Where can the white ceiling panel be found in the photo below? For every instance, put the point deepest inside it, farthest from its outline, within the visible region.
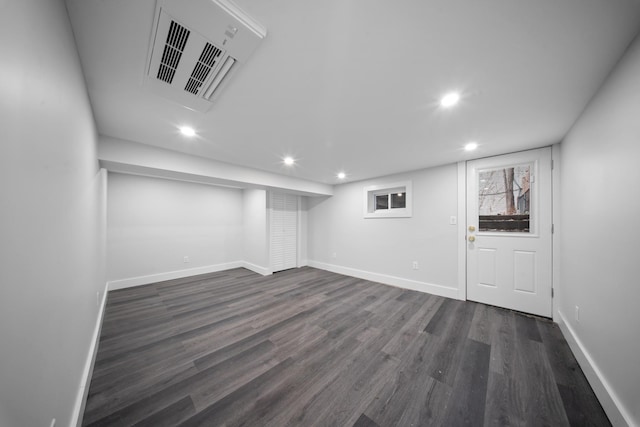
(354, 86)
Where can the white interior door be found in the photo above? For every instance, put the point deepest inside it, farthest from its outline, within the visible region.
(284, 231)
(509, 221)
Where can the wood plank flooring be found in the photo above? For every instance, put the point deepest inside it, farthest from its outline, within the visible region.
(307, 347)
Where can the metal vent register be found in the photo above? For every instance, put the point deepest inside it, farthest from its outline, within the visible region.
(173, 49)
(194, 50)
(201, 71)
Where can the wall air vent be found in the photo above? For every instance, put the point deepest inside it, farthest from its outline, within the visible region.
(194, 50)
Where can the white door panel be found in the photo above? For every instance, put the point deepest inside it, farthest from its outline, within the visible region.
(284, 231)
(509, 231)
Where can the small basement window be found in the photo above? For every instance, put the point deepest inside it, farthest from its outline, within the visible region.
(388, 201)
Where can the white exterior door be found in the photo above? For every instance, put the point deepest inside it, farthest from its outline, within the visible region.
(509, 257)
(284, 231)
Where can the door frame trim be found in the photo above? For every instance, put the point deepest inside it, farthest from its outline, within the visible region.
(462, 230)
(555, 238)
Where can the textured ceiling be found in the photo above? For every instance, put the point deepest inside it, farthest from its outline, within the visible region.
(353, 86)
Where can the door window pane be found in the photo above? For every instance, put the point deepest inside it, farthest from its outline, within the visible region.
(504, 199)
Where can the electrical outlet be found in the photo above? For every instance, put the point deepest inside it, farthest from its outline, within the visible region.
(186, 259)
(415, 265)
(334, 255)
(98, 299)
(577, 314)
(453, 220)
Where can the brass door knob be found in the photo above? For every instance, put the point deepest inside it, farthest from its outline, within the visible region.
(472, 238)
(472, 228)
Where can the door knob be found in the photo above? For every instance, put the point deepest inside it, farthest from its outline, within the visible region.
(472, 238)
(472, 228)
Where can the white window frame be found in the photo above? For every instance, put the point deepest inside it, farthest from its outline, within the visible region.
(372, 191)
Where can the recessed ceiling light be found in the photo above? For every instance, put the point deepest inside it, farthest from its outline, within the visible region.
(187, 131)
(450, 99)
(288, 161)
(471, 146)
(342, 175)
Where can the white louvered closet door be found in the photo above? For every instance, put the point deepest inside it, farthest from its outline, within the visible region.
(284, 231)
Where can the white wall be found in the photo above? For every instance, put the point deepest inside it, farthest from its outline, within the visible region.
(599, 240)
(383, 249)
(154, 223)
(255, 231)
(52, 219)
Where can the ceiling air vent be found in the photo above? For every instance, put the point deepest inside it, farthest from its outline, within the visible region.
(176, 40)
(202, 69)
(195, 49)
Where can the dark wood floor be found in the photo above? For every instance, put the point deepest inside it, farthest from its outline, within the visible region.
(308, 347)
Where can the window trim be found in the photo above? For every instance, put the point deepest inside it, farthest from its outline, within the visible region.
(370, 193)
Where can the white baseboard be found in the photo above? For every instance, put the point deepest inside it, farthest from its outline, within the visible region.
(256, 268)
(170, 275)
(613, 407)
(399, 282)
(87, 372)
